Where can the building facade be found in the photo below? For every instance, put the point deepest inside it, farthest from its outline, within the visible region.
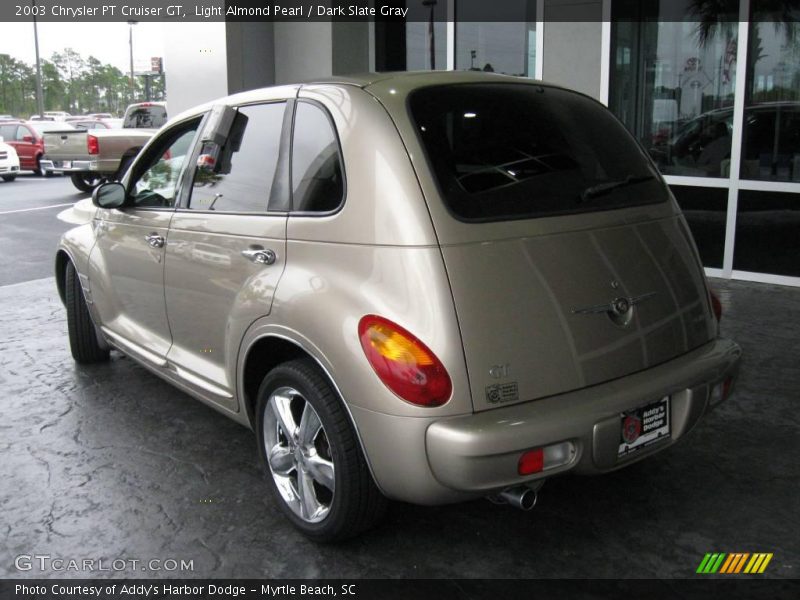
(710, 89)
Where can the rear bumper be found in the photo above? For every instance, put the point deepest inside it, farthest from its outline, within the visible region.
(480, 452)
(440, 460)
(61, 166)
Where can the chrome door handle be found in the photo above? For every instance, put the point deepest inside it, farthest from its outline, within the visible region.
(260, 256)
(155, 240)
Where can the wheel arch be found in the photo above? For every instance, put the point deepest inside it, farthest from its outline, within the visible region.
(62, 259)
(267, 352)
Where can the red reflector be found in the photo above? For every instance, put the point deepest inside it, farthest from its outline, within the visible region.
(531, 462)
(91, 144)
(716, 305)
(726, 387)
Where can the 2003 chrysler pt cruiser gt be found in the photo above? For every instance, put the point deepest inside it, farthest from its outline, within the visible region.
(425, 287)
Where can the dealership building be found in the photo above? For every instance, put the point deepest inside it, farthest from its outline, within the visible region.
(713, 96)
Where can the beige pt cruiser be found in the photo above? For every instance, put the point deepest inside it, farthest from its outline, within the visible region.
(426, 287)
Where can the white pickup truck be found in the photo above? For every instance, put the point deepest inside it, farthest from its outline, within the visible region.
(92, 155)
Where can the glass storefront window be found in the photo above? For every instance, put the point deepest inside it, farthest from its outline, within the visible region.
(705, 210)
(672, 82)
(503, 47)
(771, 133)
(767, 224)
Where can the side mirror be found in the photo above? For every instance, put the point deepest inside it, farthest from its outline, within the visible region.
(27, 138)
(109, 195)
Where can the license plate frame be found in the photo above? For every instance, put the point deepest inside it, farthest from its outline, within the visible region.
(643, 426)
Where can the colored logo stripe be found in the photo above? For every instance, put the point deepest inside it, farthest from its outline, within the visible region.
(758, 563)
(734, 563)
(720, 562)
(711, 563)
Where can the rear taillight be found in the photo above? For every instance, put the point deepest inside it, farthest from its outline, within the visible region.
(92, 145)
(403, 363)
(716, 305)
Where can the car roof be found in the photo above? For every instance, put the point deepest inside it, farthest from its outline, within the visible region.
(378, 84)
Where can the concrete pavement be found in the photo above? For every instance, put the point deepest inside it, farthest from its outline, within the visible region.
(109, 462)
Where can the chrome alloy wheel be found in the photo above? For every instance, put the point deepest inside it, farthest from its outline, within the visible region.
(299, 454)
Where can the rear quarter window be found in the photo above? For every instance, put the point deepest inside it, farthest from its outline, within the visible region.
(517, 151)
(317, 173)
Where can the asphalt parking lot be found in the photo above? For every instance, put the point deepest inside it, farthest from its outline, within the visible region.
(109, 462)
(29, 230)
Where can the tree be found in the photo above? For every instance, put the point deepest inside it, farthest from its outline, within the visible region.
(69, 83)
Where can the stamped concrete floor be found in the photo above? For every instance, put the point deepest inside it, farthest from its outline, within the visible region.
(109, 462)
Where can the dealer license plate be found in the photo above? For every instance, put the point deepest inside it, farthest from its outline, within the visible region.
(67, 164)
(643, 426)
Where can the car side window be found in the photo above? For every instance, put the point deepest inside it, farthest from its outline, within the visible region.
(157, 182)
(317, 173)
(8, 132)
(22, 132)
(247, 165)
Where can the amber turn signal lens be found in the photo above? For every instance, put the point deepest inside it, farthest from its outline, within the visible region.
(403, 363)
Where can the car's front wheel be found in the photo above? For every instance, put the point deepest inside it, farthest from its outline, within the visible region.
(83, 341)
(9, 178)
(316, 469)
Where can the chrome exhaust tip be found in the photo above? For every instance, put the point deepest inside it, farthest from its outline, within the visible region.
(522, 497)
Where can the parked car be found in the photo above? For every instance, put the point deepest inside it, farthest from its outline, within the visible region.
(101, 115)
(94, 154)
(424, 287)
(9, 162)
(702, 146)
(57, 115)
(27, 138)
(41, 118)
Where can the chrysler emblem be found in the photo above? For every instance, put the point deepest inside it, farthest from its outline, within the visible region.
(619, 310)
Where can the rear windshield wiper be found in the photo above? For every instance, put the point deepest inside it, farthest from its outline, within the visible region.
(604, 188)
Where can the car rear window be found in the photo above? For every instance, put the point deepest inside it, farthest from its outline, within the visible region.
(517, 151)
(145, 117)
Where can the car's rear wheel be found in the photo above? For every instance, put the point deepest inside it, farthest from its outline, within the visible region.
(85, 182)
(83, 340)
(9, 178)
(316, 469)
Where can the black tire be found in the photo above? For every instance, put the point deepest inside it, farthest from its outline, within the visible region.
(85, 182)
(83, 341)
(38, 171)
(9, 178)
(356, 504)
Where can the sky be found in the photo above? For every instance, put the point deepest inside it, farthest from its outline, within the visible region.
(108, 42)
